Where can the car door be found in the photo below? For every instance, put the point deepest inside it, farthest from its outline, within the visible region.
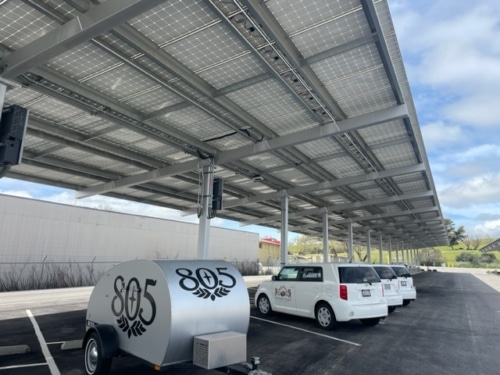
(307, 289)
(284, 294)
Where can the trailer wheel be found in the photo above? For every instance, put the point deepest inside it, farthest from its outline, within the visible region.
(95, 364)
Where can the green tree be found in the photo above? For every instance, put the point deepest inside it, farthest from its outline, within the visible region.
(454, 235)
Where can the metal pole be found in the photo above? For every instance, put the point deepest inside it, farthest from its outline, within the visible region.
(206, 208)
(380, 248)
(349, 242)
(390, 250)
(326, 251)
(402, 251)
(368, 246)
(284, 230)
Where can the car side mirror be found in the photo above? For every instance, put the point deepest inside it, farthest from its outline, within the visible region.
(274, 278)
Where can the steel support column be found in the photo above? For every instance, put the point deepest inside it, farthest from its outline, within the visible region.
(390, 250)
(369, 246)
(380, 248)
(284, 230)
(326, 250)
(349, 243)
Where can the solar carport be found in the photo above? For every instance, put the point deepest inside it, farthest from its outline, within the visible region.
(301, 112)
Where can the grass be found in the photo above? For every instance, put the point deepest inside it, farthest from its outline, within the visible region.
(449, 256)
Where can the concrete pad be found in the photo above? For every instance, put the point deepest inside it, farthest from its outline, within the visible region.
(14, 349)
(73, 344)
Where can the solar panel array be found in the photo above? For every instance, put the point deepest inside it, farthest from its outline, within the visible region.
(307, 99)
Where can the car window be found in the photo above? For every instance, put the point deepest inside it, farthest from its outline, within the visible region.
(311, 274)
(401, 271)
(385, 272)
(356, 275)
(288, 273)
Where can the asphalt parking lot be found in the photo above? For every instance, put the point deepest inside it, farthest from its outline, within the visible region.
(452, 328)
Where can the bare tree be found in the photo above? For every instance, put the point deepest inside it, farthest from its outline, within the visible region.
(476, 242)
(468, 242)
(357, 250)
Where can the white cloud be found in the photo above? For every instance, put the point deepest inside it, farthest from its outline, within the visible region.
(435, 132)
(480, 108)
(453, 49)
(477, 190)
(489, 228)
(479, 152)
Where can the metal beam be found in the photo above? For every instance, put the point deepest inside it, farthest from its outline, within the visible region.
(371, 217)
(373, 20)
(309, 135)
(142, 178)
(356, 43)
(339, 207)
(168, 62)
(149, 128)
(271, 26)
(68, 138)
(84, 27)
(329, 184)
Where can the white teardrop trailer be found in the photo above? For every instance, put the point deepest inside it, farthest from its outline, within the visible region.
(170, 312)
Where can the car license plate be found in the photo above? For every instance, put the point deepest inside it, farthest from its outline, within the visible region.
(387, 286)
(403, 283)
(366, 293)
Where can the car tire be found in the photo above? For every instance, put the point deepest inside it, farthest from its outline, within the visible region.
(325, 316)
(406, 302)
(370, 321)
(264, 305)
(391, 308)
(94, 363)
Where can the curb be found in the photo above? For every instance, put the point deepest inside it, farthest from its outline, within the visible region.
(14, 349)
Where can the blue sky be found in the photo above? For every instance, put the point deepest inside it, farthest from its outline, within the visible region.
(451, 51)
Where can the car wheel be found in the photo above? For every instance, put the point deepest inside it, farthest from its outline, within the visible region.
(325, 316)
(264, 305)
(392, 308)
(370, 321)
(94, 363)
(406, 302)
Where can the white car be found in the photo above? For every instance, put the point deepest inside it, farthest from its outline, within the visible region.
(328, 292)
(406, 287)
(391, 286)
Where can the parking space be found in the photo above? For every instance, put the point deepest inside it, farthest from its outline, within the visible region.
(452, 328)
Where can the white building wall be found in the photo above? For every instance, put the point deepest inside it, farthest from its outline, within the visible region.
(32, 230)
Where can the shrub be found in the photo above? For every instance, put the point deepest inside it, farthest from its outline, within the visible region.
(467, 257)
(488, 258)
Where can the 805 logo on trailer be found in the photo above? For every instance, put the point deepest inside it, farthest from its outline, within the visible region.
(127, 305)
(206, 283)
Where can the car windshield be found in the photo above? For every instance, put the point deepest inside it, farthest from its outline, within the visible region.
(385, 272)
(356, 275)
(401, 271)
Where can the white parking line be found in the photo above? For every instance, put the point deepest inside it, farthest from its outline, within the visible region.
(22, 366)
(45, 350)
(305, 330)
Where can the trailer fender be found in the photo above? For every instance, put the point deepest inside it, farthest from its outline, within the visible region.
(107, 336)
